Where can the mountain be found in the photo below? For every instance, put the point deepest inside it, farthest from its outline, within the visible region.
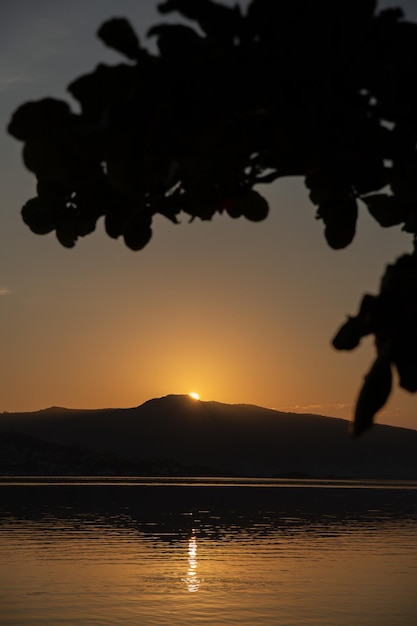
(234, 439)
(25, 455)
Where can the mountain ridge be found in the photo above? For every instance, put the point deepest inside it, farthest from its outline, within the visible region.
(234, 439)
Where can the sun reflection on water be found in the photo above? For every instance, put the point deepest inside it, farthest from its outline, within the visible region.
(192, 582)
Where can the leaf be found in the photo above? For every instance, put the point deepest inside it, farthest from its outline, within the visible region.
(232, 209)
(349, 335)
(137, 231)
(215, 20)
(352, 331)
(373, 395)
(251, 205)
(66, 230)
(87, 221)
(40, 218)
(176, 40)
(386, 210)
(370, 177)
(339, 216)
(405, 358)
(138, 238)
(102, 88)
(39, 119)
(118, 34)
(325, 187)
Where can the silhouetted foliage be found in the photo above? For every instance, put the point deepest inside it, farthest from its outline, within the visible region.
(320, 89)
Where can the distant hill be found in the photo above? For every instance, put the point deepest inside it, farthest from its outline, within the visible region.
(179, 432)
(25, 455)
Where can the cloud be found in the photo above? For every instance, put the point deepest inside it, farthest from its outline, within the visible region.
(10, 80)
(344, 410)
(336, 407)
(4, 291)
(389, 413)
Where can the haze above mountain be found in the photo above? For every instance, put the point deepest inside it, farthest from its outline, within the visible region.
(234, 439)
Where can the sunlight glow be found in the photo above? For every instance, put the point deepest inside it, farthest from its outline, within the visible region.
(194, 395)
(192, 582)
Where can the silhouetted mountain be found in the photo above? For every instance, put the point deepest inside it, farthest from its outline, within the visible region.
(179, 431)
(25, 455)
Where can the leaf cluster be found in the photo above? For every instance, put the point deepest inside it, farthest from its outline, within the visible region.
(325, 90)
(391, 317)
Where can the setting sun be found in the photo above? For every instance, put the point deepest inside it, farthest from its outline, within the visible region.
(194, 395)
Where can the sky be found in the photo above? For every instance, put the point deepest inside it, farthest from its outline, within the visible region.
(236, 311)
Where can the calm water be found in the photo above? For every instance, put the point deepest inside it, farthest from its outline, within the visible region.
(209, 553)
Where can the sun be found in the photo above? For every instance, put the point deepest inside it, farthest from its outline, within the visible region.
(194, 395)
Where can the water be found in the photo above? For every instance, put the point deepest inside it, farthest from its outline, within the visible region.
(156, 552)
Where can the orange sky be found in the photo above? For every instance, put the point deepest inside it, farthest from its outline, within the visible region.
(238, 312)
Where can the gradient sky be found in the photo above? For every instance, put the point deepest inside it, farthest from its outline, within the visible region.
(236, 311)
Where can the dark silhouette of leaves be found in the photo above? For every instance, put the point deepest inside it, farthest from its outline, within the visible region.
(119, 35)
(322, 90)
(218, 22)
(40, 217)
(373, 395)
(387, 210)
(391, 317)
(349, 335)
(251, 205)
(339, 215)
(39, 120)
